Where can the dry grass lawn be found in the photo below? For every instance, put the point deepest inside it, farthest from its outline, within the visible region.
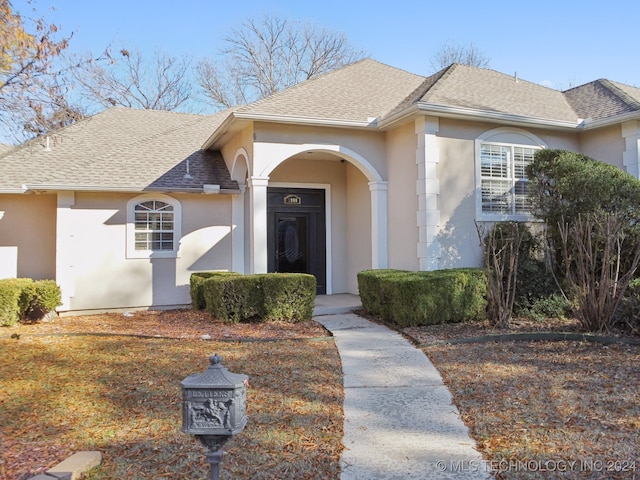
(544, 409)
(120, 394)
(537, 409)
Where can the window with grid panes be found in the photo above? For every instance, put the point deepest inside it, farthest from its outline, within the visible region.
(154, 226)
(503, 178)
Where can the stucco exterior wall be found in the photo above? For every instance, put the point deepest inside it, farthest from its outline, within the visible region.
(402, 198)
(241, 140)
(604, 144)
(358, 232)
(105, 278)
(269, 139)
(458, 237)
(27, 236)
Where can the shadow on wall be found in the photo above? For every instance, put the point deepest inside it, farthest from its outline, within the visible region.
(458, 239)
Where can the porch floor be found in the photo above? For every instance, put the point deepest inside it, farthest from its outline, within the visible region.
(336, 304)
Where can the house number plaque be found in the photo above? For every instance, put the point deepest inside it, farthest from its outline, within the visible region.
(292, 200)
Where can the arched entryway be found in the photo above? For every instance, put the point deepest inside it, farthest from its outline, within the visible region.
(355, 216)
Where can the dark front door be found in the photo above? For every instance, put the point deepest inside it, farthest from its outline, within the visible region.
(296, 232)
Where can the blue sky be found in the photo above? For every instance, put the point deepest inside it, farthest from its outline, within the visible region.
(557, 43)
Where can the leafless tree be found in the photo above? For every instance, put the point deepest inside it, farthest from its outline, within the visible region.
(266, 56)
(31, 97)
(130, 80)
(451, 52)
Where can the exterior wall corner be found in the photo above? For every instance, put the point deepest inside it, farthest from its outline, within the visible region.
(428, 191)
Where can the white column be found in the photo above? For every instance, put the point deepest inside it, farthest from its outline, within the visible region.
(237, 231)
(428, 190)
(631, 154)
(379, 237)
(65, 248)
(258, 224)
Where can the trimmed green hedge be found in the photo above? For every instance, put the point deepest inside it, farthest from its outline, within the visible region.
(240, 298)
(22, 299)
(424, 298)
(288, 296)
(196, 282)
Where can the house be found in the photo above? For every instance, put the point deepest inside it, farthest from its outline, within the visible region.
(365, 167)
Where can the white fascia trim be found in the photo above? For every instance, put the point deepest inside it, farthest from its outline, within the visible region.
(98, 188)
(218, 132)
(372, 123)
(446, 110)
(256, 117)
(80, 188)
(24, 189)
(588, 124)
(470, 113)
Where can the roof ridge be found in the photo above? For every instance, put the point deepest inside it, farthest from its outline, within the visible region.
(440, 76)
(420, 91)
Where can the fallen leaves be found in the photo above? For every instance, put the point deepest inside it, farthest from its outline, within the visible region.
(545, 402)
(121, 395)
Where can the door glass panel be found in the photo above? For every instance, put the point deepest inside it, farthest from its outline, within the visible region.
(291, 252)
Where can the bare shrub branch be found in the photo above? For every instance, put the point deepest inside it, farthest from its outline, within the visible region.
(501, 247)
(592, 246)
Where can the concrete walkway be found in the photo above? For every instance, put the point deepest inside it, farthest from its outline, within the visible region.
(400, 422)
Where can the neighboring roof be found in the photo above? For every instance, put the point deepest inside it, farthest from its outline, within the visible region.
(357, 93)
(121, 149)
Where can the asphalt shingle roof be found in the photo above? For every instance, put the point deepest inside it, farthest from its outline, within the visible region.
(137, 150)
(122, 148)
(4, 149)
(357, 93)
(490, 91)
(603, 98)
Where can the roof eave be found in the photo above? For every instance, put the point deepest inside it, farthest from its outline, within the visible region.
(100, 188)
(235, 121)
(589, 124)
(315, 121)
(80, 188)
(501, 117)
(219, 132)
(475, 114)
(23, 189)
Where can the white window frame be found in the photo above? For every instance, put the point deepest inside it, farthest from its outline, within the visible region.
(131, 227)
(503, 138)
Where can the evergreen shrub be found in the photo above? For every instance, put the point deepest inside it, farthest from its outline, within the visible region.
(23, 299)
(424, 298)
(196, 282)
(271, 296)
